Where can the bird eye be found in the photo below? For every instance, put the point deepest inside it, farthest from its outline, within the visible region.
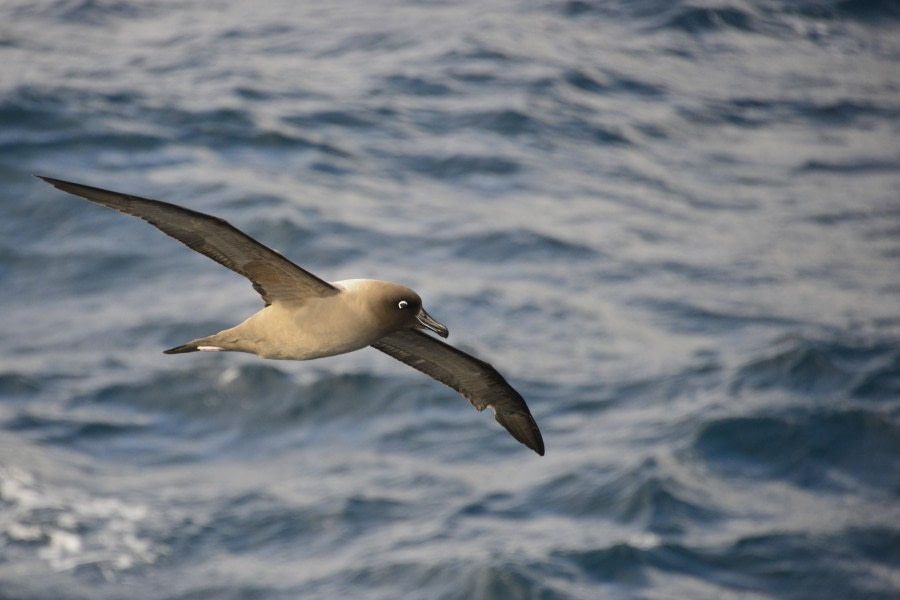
(402, 304)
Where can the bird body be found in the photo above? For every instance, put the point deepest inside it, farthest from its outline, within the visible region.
(314, 328)
(306, 317)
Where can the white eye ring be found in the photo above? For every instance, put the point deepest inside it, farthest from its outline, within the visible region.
(402, 304)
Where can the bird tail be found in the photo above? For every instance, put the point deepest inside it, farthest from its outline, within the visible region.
(189, 347)
(203, 345)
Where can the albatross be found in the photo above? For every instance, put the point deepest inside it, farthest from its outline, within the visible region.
(306, 317)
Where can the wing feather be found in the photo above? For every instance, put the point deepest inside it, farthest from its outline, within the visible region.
(476, 380)
(273, 276)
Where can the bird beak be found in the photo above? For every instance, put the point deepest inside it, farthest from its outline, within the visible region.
(427, 322)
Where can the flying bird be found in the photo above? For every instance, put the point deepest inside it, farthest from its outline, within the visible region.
(306, 317)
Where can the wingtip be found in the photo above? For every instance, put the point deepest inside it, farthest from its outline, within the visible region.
(523, 428)
(57, 183)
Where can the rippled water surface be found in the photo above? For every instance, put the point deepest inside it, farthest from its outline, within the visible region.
(674, 227)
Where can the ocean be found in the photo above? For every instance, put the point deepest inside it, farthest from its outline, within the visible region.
(674, 226)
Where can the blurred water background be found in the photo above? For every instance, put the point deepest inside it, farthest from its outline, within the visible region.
(673, 225)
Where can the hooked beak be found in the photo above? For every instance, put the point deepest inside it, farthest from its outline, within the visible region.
(427, 322)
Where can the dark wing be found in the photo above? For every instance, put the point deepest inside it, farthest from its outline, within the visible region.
(273, 276)
(475, 379)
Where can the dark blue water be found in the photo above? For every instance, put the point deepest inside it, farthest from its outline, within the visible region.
(674, 226)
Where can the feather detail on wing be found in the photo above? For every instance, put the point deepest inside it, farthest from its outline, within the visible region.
(476, 380)
(274, 277)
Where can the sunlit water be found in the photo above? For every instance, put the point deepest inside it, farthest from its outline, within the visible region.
(674, 227)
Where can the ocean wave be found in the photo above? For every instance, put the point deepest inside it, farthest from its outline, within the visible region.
(817, 366)
(68, 431)
(821, 449)
(518, 245)
(18, 385)
(333, 118)
(457, 166)
(413, 86)
(644, 497)
(696, 19)
(856, 166)
(756, 113)
(73, 530)
(869, 11)
(783, 564)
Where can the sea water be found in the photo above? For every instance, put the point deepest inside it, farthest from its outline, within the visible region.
(674, 226)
